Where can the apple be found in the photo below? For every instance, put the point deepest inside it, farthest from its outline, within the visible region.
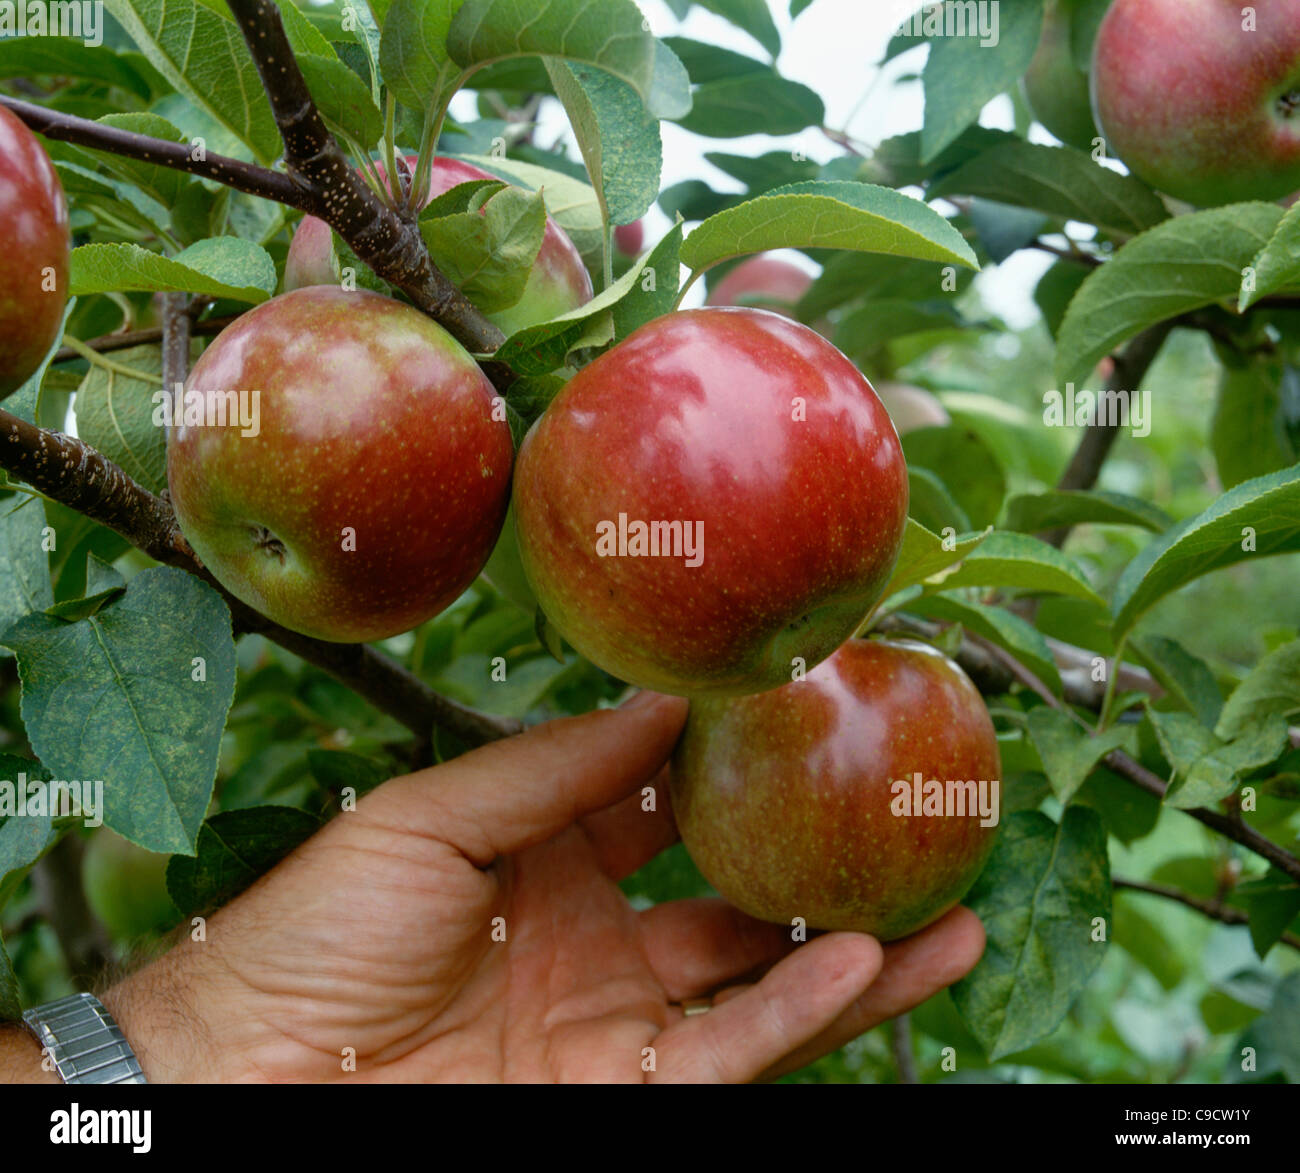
(34, 229)
(1057, 92)
(126, 887)
(630, 238)
(912, 408)
(377, 479)
(804, 801)
(711, 503)
(764, 281)
(558, 283)
(1198, 106)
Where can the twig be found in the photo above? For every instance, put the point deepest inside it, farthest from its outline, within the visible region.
(175, 340)
(126, 339)
(1075, 255)
(1214, 909)
(82, 938)
(900, 1045)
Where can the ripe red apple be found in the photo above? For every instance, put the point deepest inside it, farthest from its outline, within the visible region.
(629, 238)
(763, 281)
(1198, 106)
(34, 232)
(717, 496)
(1057, 91)
(558, 283)
(804, 801)
(911, 408)
(376, 483)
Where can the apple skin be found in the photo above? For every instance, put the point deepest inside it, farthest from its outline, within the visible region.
(126, 887)
(691, 419)
(774, 283)
(1195, 106)
(630, 238)
(371, 417)
(558, 283)
(912, 408)
(784, 799)
(1057, 92)
(34, 229)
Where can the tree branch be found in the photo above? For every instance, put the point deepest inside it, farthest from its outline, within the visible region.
(75, 474)
(125, 339)
(1214, 909)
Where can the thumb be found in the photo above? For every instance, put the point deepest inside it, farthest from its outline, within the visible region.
(523, 790)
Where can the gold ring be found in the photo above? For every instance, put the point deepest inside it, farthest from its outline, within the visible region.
(697, 1006)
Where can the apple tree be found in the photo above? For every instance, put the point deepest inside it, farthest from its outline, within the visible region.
(1103, 504)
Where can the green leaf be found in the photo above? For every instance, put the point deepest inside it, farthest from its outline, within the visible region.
(1184, 677)
(164, 184)
(234, 849)
(1143, 940)
(1031, 512)
(753, 16)
(964, 462)
(999, 625)
(1275, 1036)
(1024, 563)
(490, 256)
(843, 215)
(202, 54)
(1273, 687)
(609, 35)
(342, 98)
(24, 567)
(618, 138)
(337, 769)
(1038, 896)
(1277, 266)
(924, 555)
(705, 62)
(1067, 750)
(114, 697)
(848, 276)
(1183, 264)
(1248, 434)
(413, 52)
(1060, 181)
(103, 585)
(1272, 903)
(930, 503)
(964, 73)
(1056, 289)
(115, 415)
(222, 266)
(733, 107)
(32, 56)
(875, 323)
(23, 839)
(11, 1007)
(1257, 518)
(1206, 767)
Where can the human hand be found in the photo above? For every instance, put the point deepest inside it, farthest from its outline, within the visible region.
(374, 941)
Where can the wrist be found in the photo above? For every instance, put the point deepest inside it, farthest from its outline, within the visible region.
(21, 1057)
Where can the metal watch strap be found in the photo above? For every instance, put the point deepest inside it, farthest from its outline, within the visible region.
(85, 1042)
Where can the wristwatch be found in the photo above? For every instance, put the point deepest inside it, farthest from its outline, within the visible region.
(86, 1044)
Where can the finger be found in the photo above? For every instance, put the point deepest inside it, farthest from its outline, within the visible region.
(523, 790)
(914, 970)
(627, 836)
(795, 1002)
(693, 946)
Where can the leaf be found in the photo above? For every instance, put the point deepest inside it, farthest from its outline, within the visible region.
(11, 1007)
(618, 138)
(234, 849)
(1274, 1037)
(342, 98)
(843, 215)
(164, 184)
(1272, 903)
(1143, 940)
(959, 458)
(924, 555)
(1273, 687)
(1067, 750)
(1056, 289)
(1206, 767)
(103, 585)
(753, 16)
(1004, 229)
(874, 323)
(1278, 264)
(1060, 181)
(1267, 508)
(337, 769)
(24, 567)
(115, 415)
(1248, 434)
(848, 276)
(930, 503)
(1032, 512)
(965, 72)
(113, 697)
(23, 838)
(1183, 264)
(34, 56)
(733, 107)
(219, 267)
(202, 54)
(1025, 563)
(1184, 677)
(704, 62)
(1038, 896)
(999, 625)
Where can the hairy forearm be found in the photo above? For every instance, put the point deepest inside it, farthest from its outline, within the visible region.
(20, 1057)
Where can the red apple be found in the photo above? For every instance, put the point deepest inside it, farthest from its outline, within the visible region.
(377, 480)
(558, 283)
(629, 238)
(763, 281)
(764, 468)
(912, 408)
(34, 232)
(1197, 105)
(1057, 92)
(804, 801)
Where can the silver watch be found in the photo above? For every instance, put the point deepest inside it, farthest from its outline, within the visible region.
(86, 1044)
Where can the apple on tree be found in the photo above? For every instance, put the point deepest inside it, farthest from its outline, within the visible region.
(764, 281)
(912, 408)
(829, 798)
(375, 481)
(1056, 90)
(629, 239)
(1201, 98)
(558, 283)
(716, 499)
(34, 229)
